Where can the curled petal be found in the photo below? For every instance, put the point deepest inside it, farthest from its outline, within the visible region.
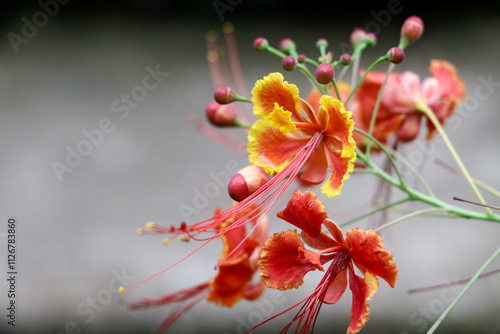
(270, 148)
(229, 285)
(368, 252)
(336, 288)
(338, 121)
(316, 168)
(305, 211)
(340, 167)
(362, 291)
(281, 119)
(272, 89)
(281, 267)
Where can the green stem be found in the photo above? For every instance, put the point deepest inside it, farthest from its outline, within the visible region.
(423, 107)
(382, 208)
(410, 215)
(313, 80)
(372, 66)
(464, 290)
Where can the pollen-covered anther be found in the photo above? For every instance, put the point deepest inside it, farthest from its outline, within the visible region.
(166, 241)
(220, 115)
(246, 182)
(183, 238)
(139, 231)
(224, 95)
(150, 225)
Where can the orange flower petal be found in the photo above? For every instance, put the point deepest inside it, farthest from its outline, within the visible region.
(336, 288)
(281, 267)
(270, 148)
(340, 168)
(273, 89)
(229, 285)
(362, 291)
(316, 168)
(450, 85)
(305, 211)
(368, 252)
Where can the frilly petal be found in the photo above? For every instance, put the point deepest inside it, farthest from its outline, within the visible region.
(273, 89)
(281, 119)
(368, 252)
(270, 148)
(281, 266)
(341, 165)
(362, 291)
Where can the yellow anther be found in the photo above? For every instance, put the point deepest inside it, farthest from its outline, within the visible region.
(166, 241)
(140, 231)
(183, 238)
(211, 35)
(212, 56)
(122, 289)
(228, 27)
(150, 225)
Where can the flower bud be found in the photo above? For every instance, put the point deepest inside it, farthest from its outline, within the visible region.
(246, 182)
(289, 63)
(321, 43)
(220, 115)
(287, 45)
(412, 29)
(345, 59)
(371, 39)
(260, 43)
(301, 59)
(357, 36)
(224, 95)
(396, 55)
(325, 73)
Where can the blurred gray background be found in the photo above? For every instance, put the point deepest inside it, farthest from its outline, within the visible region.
(76, 234)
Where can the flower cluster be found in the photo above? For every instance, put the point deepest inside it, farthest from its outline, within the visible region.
(315, 140)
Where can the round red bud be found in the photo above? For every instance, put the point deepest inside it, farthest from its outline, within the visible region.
(302, 59)
(260, 43)
(345, 59)
(287, 45)
(289, 63)
(371, 39)
(412, 29)
(325, 73)
(246, 182)
(224, 95)
(220, 115)
(357, 36)
(321, 43)
(396, 55)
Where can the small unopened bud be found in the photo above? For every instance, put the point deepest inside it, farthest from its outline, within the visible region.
(371, 39)
(220, 115)
(260, 43)
(301, 59)
(325, 73)
(396, 55)
(411, 30)
(246, 182)
(224, 95)
(289, 63)
(345, 59)
(321, 43)
(357, 36)
(287, 45)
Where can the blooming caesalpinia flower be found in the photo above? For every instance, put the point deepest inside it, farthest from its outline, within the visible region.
(285, 261)
(287, 124)
(233, 281)
(405, 95)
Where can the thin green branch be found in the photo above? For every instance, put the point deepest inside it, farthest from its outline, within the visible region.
(382, 208)
(463, 292)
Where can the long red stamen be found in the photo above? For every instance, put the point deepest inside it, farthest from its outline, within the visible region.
(288, 173)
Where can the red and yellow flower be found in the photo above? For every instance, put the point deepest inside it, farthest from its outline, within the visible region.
(234, 279)
(288, 124)
(285, 261)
